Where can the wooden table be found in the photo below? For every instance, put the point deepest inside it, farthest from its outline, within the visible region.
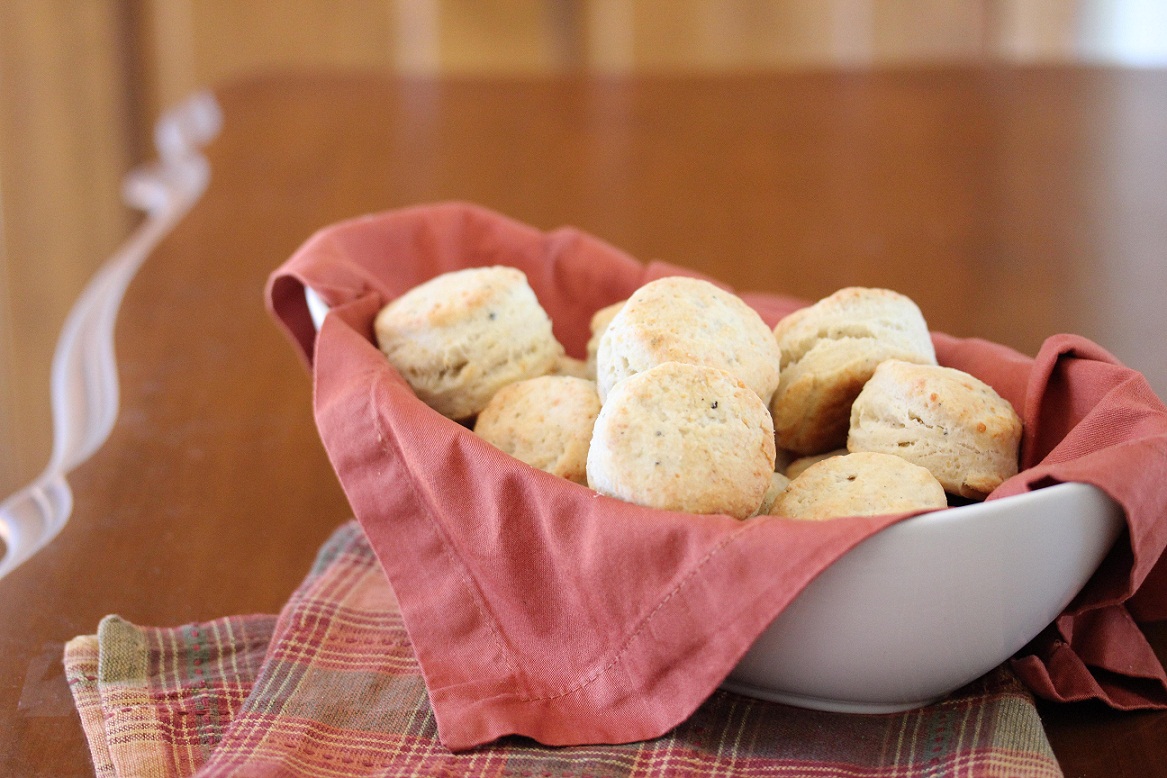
(1009, 204)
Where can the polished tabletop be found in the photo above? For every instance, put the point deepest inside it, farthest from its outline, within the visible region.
(1010, 204)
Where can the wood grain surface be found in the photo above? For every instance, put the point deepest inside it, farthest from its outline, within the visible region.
(1011, 204)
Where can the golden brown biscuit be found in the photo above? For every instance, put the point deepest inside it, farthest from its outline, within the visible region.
(829, 350)
(460, 337)
(683, 437)
(941, 418)
(546, 422)
(863, 484)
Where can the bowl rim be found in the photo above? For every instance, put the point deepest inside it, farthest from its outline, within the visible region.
(992, 505)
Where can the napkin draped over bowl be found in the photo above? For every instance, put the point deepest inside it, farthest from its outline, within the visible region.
(537, 607)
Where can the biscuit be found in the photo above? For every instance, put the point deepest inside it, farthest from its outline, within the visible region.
(683, 437)
(796, 467)
(829, 350)
(679, 319)
(862, 484)
(546, 422)
(599, 323)
(461, 336)
(941, 418)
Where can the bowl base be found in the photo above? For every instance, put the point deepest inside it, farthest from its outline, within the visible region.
(822, 703)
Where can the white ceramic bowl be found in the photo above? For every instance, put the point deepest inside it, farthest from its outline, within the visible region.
(928, 604)
(931, 603)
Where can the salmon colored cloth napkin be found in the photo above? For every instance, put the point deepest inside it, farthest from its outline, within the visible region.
(536, 607)
(331, 688)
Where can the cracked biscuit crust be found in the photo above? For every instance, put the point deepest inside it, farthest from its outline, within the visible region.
(829, 351)
(941, 418)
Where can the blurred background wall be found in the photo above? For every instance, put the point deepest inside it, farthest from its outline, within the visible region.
(82, 82)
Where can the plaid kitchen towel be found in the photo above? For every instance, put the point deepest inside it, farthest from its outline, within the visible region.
(331, 688)
(154, 701)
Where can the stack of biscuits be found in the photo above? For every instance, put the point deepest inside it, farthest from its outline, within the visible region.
(687, 401)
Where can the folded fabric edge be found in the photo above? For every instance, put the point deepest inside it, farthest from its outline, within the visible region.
(286, 303)
(81, 657)
(1096, 650)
